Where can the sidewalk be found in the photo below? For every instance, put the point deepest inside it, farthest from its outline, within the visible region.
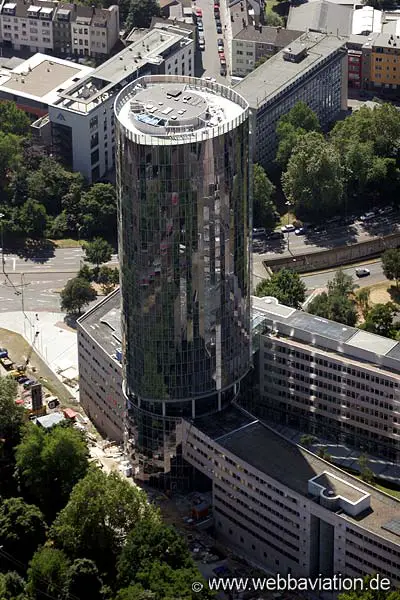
(56, 343)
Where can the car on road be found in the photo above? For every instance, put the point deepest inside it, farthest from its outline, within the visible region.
(300, 231)
(199, 13)
(219, 27)
(386, 210)
(259, 232)
(222, 71)
(202, 44)
(288, 228)
(22, 379)
(222, 60)
(275, 235)
(200, 25)
(363, 272)
(369, 216)
(29, 383)
(220, 44)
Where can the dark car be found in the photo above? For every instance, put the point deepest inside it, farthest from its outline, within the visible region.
(275, 235)
(219, 28)
(22, 379)
(29, 383)
(222, 71)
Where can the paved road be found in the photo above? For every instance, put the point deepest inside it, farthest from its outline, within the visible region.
(209, 57)
(320, 280)
(60, 260)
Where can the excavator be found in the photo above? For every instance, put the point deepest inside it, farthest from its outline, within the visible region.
(20, 370)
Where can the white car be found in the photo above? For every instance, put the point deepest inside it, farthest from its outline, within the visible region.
(367, 217)
(362, 272)
(288, 228)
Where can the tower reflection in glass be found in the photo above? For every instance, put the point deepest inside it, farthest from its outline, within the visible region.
(183, 169)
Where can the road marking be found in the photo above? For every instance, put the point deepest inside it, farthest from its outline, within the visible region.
(44, 301)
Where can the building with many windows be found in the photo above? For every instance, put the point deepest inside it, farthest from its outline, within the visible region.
(45, 26)
(287, 511)
(328, 379)
(312, 69)
(183, 169)
(82, 116)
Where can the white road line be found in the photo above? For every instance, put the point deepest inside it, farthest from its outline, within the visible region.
(44, 301)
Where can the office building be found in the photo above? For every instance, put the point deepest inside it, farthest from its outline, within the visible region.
(183, 168)
(53, 27)
(100, 367)
(283, 509)
(82, 118)
(331, 380)
(252, 44)
(312, 69)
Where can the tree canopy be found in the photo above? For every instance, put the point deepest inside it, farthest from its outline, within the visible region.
(13, 120)
(286, 286)
(291, 127)
(379, 320)
(391, 265)
(141, 12)
(47, 574)
(264, 210)
(338, 303)
(76, 294)
(98, 251)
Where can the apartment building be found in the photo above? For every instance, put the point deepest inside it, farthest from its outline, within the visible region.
(53, 27)
(331, 380)
(312, 69)
(100, 369)
(385, 61)
(252, 44)
(287, 511)
(82, 117)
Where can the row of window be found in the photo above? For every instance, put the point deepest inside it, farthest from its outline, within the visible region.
(376, 544)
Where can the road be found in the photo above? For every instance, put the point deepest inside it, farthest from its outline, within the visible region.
(320, 280)
(210, 65)
(35, 282)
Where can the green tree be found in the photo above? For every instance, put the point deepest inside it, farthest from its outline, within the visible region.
(10, 153)
(273, 19)
(47, 574)
(135, 592)
(11, 419)
(141, 12)
(101, 511)
(12, 586)
(168, 583)
(98, 211)
(76, 294)
(291, 127)
(341, 284)
(83, 581)
(314, 179)
(301, 117)
(367, 474)
(49, 464)
(286, 286)
(334, 307)
(264, 210)
(22, 529)
(369, 594)
(33, 219)
(391, 265)
(151, 541)
(98, 251)
(13, 120)
(363, 300)
(379, 320)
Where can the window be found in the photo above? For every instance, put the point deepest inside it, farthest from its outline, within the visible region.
(94, 157)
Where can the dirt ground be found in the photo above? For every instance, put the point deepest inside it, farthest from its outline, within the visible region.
(380, 293)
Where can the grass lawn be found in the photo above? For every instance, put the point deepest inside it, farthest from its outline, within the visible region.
(67, 243)
(269, 5)
(286, 218)
(394, 493)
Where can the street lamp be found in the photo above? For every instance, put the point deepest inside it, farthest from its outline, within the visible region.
(289, 206)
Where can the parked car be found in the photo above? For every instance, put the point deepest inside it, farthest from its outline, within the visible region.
(202, 44)
(29, 383)
(222, 71)
(222, 60)
(259, 232)
(275, 235)
(386, 210)
(200, 26)
(300, 231)
(288, 228)
(219, 28)
(220, 43)
(199, 13)
(363, 272)
(367, 217)
(22, 379)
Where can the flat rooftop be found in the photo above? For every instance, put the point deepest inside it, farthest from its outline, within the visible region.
(41, 77)
(171, 106)
(103, 323)
(293, 466)
(276, 74)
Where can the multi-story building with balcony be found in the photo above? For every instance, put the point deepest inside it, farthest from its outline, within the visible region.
(313, 69)
(385, 62)
(328, 379)
(53, 27)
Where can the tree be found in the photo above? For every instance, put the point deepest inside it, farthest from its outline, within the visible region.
(47, 574)
(22, 529)
(366, 593)
(314, 179)
(301, 116)
(151, 541)
(49, 464)
(341, 284)
(286, 286)
(76, 294)
(10, 153)
(135, 592)
(367, 474)
(334, 307)
(168, 583)
(101, 511)
(291, 127)
(379, 320)
(98, 251)
(98, 211)
(391, 265)
(141, 12)
(13, 120)
(362, 299)
(83, 581)
(12, 586)
(11, 419)
(273, 19)
(264, 210)
(33, 219)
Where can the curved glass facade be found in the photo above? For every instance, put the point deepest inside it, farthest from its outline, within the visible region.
(184, 227)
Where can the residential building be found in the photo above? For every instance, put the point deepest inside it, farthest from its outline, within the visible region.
(323, 16)
(100, 368)
(35, 83)
(285, 510)
(252, 44)
(183, 186)
(82, 116)
(385, 62)
(312, 69)
(331, 380)
(53, 27)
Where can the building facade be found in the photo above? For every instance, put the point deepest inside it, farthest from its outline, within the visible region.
(184, 221)
(53, 27)
(287, 511)
(82, 116)
(337, 382)
(312, 69)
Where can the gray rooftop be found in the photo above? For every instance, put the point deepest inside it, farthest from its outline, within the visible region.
(49, 421)
(268, 35)
(323, 15)
(103, 323)
(276, 74)
(291, 465)
(42, 78)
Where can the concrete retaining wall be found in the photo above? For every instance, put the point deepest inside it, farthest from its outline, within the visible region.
(336, 257)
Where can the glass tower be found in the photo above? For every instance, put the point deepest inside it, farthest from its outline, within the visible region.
(183, 169)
